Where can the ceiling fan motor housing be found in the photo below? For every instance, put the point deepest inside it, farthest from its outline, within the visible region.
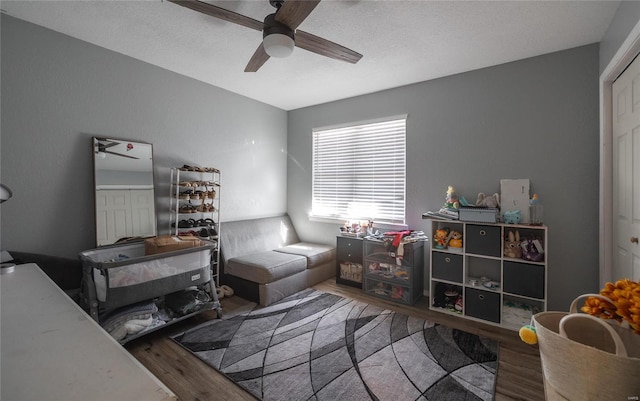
(272, 26)
(278, 39)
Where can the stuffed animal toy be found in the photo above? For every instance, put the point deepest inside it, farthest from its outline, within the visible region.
(488, 201)
(452, 199)
(440, 238)
(455, 240)
(512, 245)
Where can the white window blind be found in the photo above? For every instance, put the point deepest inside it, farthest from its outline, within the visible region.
(359, 171)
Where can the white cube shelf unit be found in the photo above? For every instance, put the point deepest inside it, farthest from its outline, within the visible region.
(482, 281)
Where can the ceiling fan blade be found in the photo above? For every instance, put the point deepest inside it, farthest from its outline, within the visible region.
(105, 146)
(324, 47)
(221, 13)
(120, 154)
(257, 60)
(293, 12)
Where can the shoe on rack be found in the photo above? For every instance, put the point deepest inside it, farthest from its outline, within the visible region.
(189, 208)
(185, 224)
(186, 195)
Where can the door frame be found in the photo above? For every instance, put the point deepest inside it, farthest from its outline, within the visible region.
(623, 57)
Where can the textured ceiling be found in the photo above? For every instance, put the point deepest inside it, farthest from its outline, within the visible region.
(403, 42)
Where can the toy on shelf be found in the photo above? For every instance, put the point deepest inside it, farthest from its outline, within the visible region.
(511, 216)
(458, 306)
(448, 297)
(512, 247)
(532, 250)
(452, 199)
(492, 201)
(535, 210)
(455, 240)
(440, 238)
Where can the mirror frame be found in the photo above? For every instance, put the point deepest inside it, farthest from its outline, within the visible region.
(123, 209)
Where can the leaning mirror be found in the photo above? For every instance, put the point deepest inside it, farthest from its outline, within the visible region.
(123, 177)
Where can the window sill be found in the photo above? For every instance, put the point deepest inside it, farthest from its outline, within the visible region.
(378, 226)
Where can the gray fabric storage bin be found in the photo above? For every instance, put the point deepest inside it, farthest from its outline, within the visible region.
(523, 279)
(482, 304)
(483, 240)
(446, 266)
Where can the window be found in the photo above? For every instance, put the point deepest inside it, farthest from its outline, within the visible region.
(359, 171)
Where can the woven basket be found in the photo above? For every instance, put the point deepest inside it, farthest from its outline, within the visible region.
(587, 358)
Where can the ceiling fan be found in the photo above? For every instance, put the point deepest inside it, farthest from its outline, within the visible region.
(278, 31)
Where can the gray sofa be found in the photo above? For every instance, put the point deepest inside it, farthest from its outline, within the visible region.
(263, 260)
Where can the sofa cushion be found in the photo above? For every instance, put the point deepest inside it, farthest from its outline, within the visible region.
(265, 267)
(316, 254)
(245, 237)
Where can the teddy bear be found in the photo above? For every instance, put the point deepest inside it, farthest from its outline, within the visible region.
(455, 240)
(440, 238)
(492, 201)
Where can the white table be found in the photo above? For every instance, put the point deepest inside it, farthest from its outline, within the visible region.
(52, 350)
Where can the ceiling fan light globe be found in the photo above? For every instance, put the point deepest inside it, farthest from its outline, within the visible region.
(278, 45)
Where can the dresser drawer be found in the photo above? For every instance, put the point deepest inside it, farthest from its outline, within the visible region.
(446, 266)
(349, 249)
(483, 240)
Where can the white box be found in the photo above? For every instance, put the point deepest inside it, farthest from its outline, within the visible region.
(514, 195)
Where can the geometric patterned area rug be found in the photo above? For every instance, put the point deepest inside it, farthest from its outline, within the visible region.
(318, 346)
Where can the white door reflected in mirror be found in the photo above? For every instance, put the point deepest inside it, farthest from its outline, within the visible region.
(124, 190)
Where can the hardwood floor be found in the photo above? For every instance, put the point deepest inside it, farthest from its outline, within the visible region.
(519, 371)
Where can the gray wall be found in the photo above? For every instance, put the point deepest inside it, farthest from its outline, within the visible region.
(58, 92)
(535, 118)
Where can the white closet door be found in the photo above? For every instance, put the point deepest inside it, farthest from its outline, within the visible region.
(626, 173)
(113, 212)
(143, 213)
